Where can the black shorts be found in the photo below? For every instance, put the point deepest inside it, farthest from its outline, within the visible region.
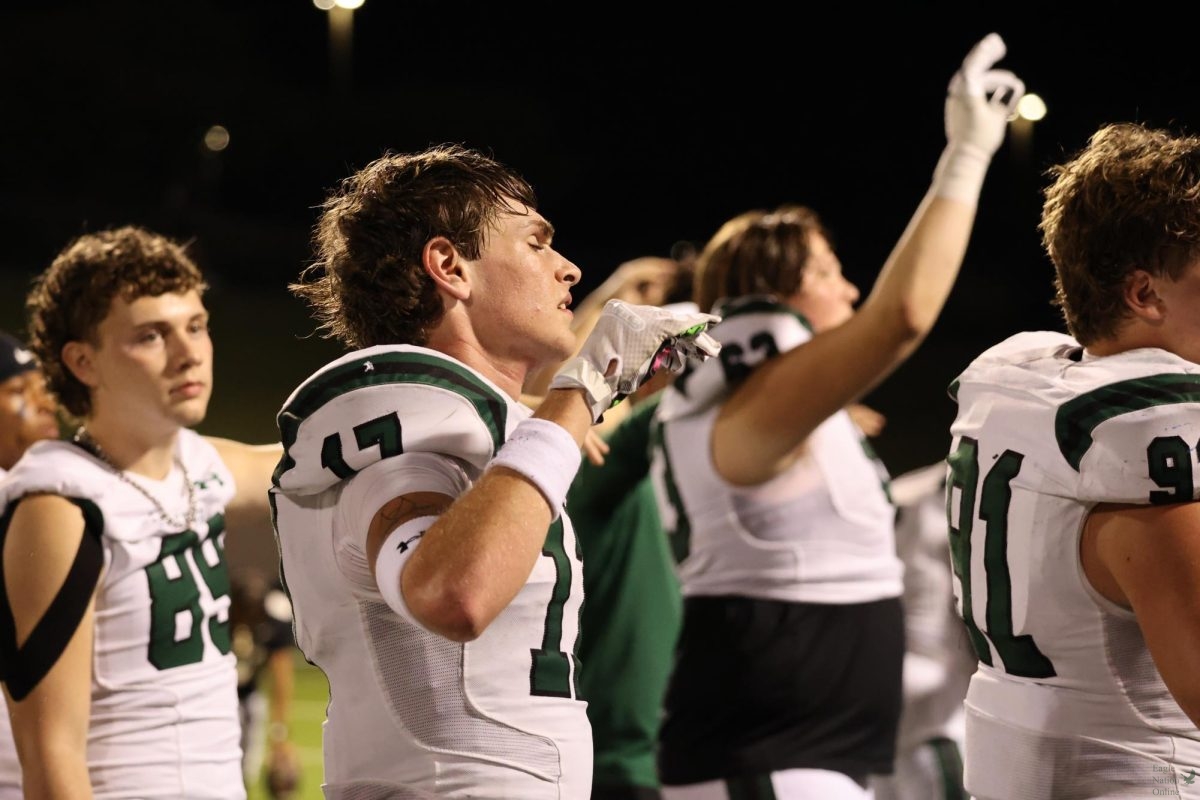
(764, 685)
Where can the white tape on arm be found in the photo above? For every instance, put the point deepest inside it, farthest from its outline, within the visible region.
(395, 551)
(544, 453)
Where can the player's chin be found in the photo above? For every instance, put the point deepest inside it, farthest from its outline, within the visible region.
(191, 412)
(560, 346)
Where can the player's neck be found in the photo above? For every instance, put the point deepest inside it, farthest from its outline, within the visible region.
(508, 375)
(131, 448)
(1130, 336)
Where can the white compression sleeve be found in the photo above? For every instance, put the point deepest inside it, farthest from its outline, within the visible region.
(392, 556)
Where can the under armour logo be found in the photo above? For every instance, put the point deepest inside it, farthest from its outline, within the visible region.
(368, 367)
(22, 356)
(403, 546)
(203, 484)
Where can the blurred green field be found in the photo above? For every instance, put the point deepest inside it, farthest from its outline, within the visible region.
(308, 712)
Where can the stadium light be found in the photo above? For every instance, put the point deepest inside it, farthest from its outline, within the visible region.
(216, 138)
(341, 37)
(1031, 107)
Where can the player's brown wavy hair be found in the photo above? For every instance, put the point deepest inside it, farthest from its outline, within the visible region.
(70, 299)
(1130, 199)
(366, 285)
(756, 252)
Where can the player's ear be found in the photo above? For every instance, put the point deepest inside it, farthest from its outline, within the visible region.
(1142, 296)
(77, 357)
(442, 262)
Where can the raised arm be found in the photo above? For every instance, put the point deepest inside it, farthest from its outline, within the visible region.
(782, 402)
(50, 569)
(471, 556)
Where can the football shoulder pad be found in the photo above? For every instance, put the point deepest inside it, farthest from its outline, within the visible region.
(1133, 436)
(383, 401)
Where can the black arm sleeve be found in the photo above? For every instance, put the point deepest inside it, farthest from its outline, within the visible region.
(24, 667)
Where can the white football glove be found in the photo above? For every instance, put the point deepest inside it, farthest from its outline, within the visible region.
(978, 104)
(629, 344)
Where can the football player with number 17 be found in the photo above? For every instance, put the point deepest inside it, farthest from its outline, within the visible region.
(434, 574)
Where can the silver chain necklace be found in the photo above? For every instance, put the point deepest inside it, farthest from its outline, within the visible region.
(85, 440)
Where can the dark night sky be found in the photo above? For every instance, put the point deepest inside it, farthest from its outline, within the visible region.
(638, 124)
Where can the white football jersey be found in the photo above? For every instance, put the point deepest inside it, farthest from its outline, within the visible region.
(164, 720)
(411, 713)
(1067, 702)
(821, 532)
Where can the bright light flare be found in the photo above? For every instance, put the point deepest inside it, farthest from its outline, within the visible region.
(324, 5)
(1031, 107)
(216, 138)
(349, 5)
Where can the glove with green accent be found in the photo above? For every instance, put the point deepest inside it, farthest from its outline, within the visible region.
(629, 345)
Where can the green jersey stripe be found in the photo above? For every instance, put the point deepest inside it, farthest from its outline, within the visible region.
(386, 369)
(680, 538)
(1078, 418)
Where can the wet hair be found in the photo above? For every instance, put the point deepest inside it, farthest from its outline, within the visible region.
(75, 293)
(1129, 200)
(756, 252)
(367, 285)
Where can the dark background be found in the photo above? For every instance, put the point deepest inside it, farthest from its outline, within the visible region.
(640, 125)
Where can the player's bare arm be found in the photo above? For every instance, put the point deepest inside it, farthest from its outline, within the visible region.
(1145, 558)
(478, 554)
(51, 702)
(251, 466)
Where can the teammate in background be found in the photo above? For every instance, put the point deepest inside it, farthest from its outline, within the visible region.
(260, 621)
(787, 679)
(434, 577)
(938, 661)
(27, 415)
(27, 411)
(118, 672)
(1072, 489)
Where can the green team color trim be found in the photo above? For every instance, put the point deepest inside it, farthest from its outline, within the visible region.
(950, 768)
(1078, 418)
(385, 369)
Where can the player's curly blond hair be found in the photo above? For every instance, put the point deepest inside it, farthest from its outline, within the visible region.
(1129, 200)
(74, 294)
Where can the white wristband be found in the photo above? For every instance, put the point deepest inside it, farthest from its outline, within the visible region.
(545, 454)
(391, 559)
(960, 172)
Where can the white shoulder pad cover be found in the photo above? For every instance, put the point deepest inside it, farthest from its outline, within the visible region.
(62, 468)
(54, 467)
(379, 402)
(752, 329)
(1134, 438)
